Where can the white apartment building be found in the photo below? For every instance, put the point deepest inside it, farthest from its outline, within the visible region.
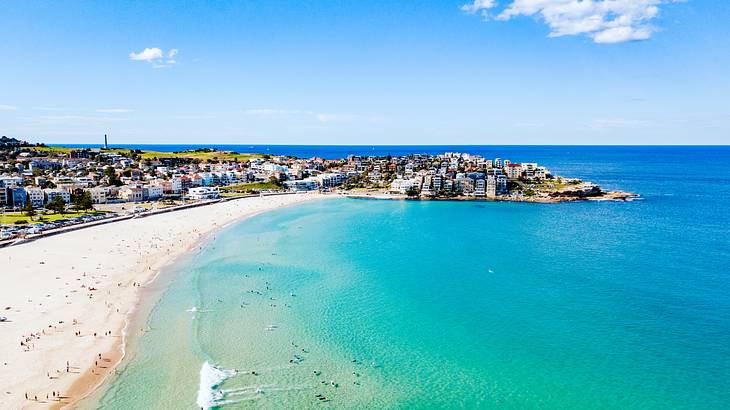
(36, 196)
(403, 185)
(131, 194)
(307, 184)
(514, 171)
(153, 191)
(98, 195)
(52, 193)
(480, 187)
(491, 190)
(437, 183)
(330, 180)
(203, 192)
(529, 169)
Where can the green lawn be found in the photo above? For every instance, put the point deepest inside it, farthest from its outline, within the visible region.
(11, 217)
(252, 186)
(202, 156)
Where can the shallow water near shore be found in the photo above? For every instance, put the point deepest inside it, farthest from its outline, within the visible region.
(388, 304)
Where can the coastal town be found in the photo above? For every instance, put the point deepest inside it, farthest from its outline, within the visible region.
(44, 187)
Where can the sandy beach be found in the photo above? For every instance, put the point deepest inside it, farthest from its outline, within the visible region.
(68, 297)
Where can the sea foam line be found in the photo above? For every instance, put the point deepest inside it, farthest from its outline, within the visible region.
(211, 377)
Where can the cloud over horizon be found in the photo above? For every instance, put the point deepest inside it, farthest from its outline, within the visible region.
(604, 21)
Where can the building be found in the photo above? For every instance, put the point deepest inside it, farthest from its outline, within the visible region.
(307, 184)
(152, 192)
(203, 192)
(98, 195)
(514, 171)
(36, 196)
(501, 184)
(528, 169)
(331, 180)
(52, 193)
(480, 187)
(402, 186)
(9, 182)
(131, 194)
(491, 190)
(437, 183)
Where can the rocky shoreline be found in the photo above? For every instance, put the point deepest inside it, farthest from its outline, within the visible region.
(555, 197)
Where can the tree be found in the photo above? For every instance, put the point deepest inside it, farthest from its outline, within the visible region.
(28, 208)
(412, 191)
(111, 175)
(83, 201)
(57, 204)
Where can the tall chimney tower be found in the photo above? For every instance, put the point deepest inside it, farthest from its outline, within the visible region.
(106, 146)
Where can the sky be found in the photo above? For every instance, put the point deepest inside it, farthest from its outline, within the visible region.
(366, 72)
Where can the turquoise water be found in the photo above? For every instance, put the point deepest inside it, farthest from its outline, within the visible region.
(451, 305)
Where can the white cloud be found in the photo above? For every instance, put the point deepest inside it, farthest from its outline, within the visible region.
(156, 57)
(7, 107)
(148, 54)
(114, 110)
(605, 21)
(478, 5)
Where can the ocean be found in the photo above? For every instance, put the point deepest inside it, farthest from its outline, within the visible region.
(352, 303)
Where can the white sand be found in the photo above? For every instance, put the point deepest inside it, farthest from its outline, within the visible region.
(46, 284)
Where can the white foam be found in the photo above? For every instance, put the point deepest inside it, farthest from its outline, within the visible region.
(211, 377)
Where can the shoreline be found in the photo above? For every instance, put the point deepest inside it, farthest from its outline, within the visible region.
(78, 335)
(606, 196)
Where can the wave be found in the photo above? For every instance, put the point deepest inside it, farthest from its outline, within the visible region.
(211, 377)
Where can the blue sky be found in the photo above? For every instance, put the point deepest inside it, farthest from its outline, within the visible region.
(367, 72)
